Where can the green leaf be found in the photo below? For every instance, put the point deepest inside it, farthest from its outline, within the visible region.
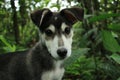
(116, 57)
(102, 17)
(8, 47)
(55, 5)
(115, 27)
(4, 41)
(109, 42)
(37, 1)
(118, 78)
(75, 55)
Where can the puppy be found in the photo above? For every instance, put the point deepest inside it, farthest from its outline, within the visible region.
(45, 60)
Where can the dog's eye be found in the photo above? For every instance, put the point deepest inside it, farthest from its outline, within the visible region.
(48, 32)
(67, 30)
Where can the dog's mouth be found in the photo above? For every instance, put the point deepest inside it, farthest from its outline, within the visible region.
(60, 58)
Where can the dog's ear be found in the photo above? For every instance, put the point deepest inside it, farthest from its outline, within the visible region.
(39, 16)
(73, 14)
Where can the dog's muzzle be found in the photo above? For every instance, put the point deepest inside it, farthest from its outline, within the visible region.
(62, 52)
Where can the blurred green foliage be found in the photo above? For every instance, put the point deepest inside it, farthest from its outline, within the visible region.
(96, 42)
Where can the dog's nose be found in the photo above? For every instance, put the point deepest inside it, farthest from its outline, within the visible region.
(62, 52)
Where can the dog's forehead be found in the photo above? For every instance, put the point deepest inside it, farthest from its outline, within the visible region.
(57, 20)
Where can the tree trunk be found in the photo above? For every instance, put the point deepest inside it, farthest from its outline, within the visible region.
(23, 12)
(15, 22)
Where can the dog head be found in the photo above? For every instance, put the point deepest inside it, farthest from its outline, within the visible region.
(56, 29)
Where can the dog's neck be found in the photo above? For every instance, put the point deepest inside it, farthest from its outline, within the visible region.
(47, 61)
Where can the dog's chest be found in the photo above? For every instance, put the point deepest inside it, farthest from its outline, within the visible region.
(55, 74)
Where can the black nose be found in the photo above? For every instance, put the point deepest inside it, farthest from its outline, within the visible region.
(62, 52)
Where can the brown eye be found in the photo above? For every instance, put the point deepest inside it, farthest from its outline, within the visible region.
(67, 30)
(48, 32)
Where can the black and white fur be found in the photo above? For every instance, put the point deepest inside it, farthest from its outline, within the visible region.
(45, 60)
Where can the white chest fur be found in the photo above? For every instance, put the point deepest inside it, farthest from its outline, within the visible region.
(55, 74)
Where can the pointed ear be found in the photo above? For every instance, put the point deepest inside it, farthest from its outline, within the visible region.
(73, 14)
(39, 16)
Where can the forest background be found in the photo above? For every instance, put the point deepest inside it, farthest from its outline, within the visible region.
(96, 42)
